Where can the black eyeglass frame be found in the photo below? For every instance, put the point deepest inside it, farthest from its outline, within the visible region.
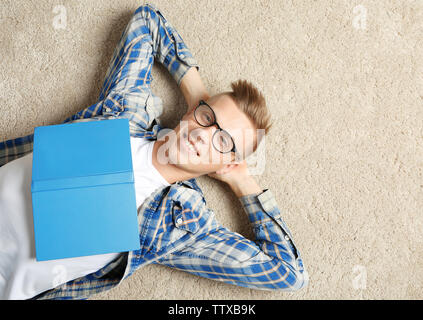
(202, 102)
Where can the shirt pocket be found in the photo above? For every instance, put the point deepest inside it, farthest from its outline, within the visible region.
(179, 226)
(113, 105)
(185, 219)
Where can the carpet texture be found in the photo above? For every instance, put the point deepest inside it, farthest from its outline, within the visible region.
(344, 83)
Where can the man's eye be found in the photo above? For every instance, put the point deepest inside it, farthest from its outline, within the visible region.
(223, 141)
(207, 118)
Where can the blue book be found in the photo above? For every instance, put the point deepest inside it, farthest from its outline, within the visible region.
(83, 193)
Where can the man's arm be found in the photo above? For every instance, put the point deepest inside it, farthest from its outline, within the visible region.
(15, 148)
(270, 262)
(126, 92)
(193, 88)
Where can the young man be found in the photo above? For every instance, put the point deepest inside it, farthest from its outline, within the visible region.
(176, 227)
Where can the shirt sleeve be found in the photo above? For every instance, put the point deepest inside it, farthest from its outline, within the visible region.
(15, 148)
(126, 92)
(271, 262)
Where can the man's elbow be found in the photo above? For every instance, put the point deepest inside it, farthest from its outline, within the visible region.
(294, 281)
(301, 280)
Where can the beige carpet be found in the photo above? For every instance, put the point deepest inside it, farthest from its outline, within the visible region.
(344, 82)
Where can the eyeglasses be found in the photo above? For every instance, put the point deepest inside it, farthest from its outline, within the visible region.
(221, 140)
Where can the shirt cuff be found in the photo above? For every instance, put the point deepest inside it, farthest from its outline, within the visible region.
(179, 58)
(261, 208)
(186, 62)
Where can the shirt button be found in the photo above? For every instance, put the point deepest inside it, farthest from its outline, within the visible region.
(179, 221)
(286, 238)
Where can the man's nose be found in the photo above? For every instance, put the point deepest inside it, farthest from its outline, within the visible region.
(202, 135)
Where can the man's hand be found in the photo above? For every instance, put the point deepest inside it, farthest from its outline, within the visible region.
(238, 178)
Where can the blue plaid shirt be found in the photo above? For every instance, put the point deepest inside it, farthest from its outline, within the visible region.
(176, 227)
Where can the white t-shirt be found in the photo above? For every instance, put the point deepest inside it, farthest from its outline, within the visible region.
(21, 276)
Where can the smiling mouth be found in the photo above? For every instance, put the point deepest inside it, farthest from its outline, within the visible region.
(190, 145)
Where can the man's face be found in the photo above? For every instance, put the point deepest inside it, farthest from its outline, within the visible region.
(190, 145)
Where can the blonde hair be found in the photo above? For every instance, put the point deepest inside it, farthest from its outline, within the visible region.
(252, 102)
